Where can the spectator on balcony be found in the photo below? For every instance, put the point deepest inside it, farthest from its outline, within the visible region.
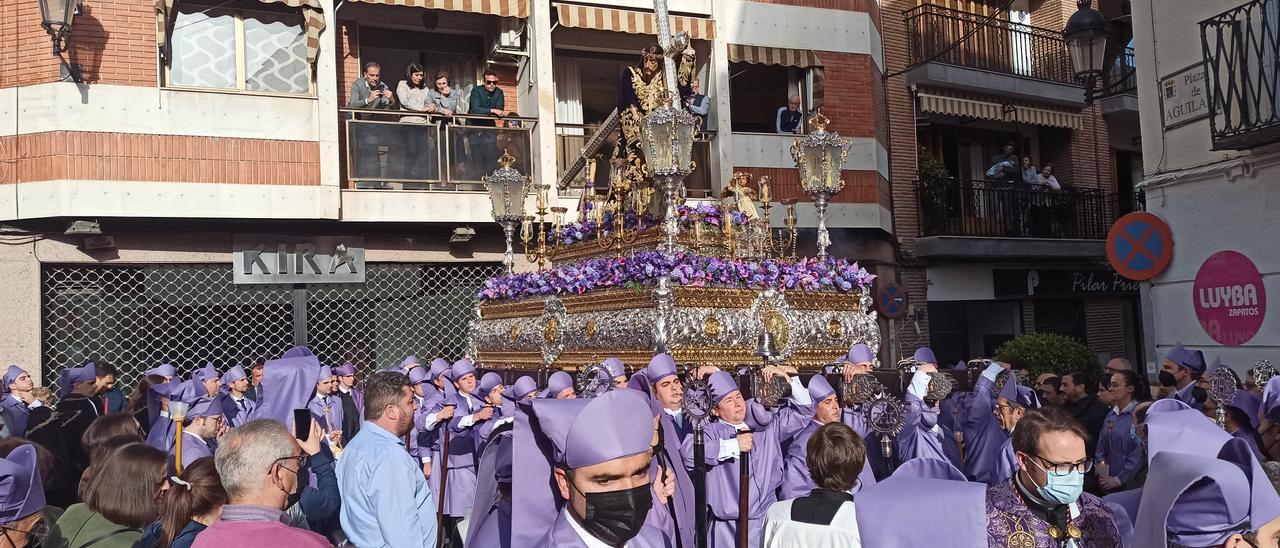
(1030, 175)
(369, 91)
(487, 100)
(413, 94)
(789, 117)
(1046, 178)
(1004, 166)
(698, 104)
(443, 96)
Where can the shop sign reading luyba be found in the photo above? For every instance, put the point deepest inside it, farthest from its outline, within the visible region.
(1230, 299)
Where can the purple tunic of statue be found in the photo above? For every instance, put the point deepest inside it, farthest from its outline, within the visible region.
(770, 429)
(1117, 444)
(1009, 518)
(983, 439)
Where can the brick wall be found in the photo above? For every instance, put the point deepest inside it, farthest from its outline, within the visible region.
(1104, 326)
(114, 41)
(126, 157)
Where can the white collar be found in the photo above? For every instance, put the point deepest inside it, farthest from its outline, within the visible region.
(1127, 408)
(587, 539)
(202, 442)
(739, 427)
(673, 412)
(344, 389)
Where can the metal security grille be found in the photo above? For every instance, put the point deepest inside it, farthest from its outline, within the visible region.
(138, 316)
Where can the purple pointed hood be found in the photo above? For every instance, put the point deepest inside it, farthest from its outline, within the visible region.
(1248, 404)
(486, 384)
(290, 382)
(10, 375)
(1018, 394)
(233, 374)
(660, 367)
(1270, 405)
(556, 384)
(345, 370)
(722, 384)
(1167, 405)
(882, 507)
(1186, 431)
(615, 366)
(860, 353)
(1194, 500)
(205, 373)
(21, 492)
(924, 354)
(820, 389)
(929, 468)
(75, 375)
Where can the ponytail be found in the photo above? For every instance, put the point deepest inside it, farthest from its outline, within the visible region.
(197, 492)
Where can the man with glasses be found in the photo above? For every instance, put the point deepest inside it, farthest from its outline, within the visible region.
(1044, 504)
(486, 100)
(203, 423)
(259, 464)
(385, 497)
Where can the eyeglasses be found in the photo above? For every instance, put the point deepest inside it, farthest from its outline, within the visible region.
(490, 82)
(36, 535)
(1082, 467)
(302, 461)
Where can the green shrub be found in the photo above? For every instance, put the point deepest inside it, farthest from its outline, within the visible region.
(1048, 352)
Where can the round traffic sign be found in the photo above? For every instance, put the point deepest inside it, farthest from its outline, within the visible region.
(1139, 246)
(891, 299)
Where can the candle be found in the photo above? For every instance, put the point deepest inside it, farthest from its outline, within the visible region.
(542, 198)
(526, 229)
(764, 190)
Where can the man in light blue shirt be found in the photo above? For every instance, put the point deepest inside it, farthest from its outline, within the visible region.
(385, 498)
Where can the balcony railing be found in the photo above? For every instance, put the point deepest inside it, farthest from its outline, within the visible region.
(1122, 75)
(988, 209)
(389, 150)
(571, 138)
(953, 37)
(1241, 49)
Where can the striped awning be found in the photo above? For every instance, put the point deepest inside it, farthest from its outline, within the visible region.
(501, 8)
(633, 22)
(312, 20)
(760, 55)
(972, 106)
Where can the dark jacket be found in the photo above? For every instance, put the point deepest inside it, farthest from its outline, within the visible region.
(1091, 414)
(80, 526)
(481, 102)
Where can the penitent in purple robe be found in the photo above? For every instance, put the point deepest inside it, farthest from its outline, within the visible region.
(193, 447)
(461, 489)
(1008, 516)
(161, 434)
(771, 429)
(563, 535)
(796, 481)
(237, 412)
(1117, 444)
(984, 441)
(327, 410)
(675, 518)
(920, 437)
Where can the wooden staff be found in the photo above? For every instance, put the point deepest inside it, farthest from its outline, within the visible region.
(744, 499)
(444, 482)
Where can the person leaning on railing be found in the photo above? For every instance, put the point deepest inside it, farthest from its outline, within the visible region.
(413, 94)
(486, 100)
(369, 91)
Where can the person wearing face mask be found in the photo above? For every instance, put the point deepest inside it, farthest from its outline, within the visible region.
(260, 464)
(743, 426)
(1044, 504)
(797, 476)
(599, 454)
(1186, 366)
(861, 360)
(385, 497)
(922, 436)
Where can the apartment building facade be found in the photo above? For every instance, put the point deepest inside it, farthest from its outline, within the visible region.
(205, 194)
(985, 260)
(1208, 122)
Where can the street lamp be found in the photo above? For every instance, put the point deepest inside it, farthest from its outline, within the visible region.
(507, 189)
(819, 157)
(667, 140)
(55, 18)
(1086, 37)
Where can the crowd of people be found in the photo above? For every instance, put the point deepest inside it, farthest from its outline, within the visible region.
(295, 453)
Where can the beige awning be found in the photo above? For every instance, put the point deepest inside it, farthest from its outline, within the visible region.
(970, 106)
(633, 22)
(312, 17)
(501, 8)
(760, 55)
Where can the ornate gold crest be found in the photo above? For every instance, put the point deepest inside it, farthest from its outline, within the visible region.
(590, 329)
(711, 327)
(835, 329)
(515, 333)
(550, 330)
(774, 322)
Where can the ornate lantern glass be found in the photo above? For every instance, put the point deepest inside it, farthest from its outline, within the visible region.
(819, 156)
(667, 140)
(56, 17)
(1086, 37)
(507, 189)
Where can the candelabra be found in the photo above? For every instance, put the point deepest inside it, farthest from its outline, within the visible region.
(819, 157)
(787, 244)
(542, 250)
(618, 237)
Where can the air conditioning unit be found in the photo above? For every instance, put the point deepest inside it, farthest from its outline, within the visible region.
(510, 44)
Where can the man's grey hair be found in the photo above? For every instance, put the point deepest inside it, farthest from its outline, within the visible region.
(247, 452)
(1123, 361)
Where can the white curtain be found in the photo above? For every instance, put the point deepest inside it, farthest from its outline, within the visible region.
(1020, 38)
(568, 82)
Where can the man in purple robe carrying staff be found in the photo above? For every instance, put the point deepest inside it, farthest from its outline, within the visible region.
(660, 383)
(923, 435)
(746, 426)
(460, 486)
(599, 452)
(796, 477)
(326, 408)
(203, 423)
(1044, 505)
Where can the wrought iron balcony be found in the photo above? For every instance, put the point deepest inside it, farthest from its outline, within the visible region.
(989, 209)
(1241, 49)
(402, 151)
(954, 37)
(1122, 75)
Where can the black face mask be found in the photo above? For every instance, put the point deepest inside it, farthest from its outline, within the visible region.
(1166, 379)
(304, 478)
(616, 517)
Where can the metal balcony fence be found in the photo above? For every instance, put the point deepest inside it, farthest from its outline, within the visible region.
(954, 37)
(1241, 51)
(990, 209)
(1122, 75)
(388, 150)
